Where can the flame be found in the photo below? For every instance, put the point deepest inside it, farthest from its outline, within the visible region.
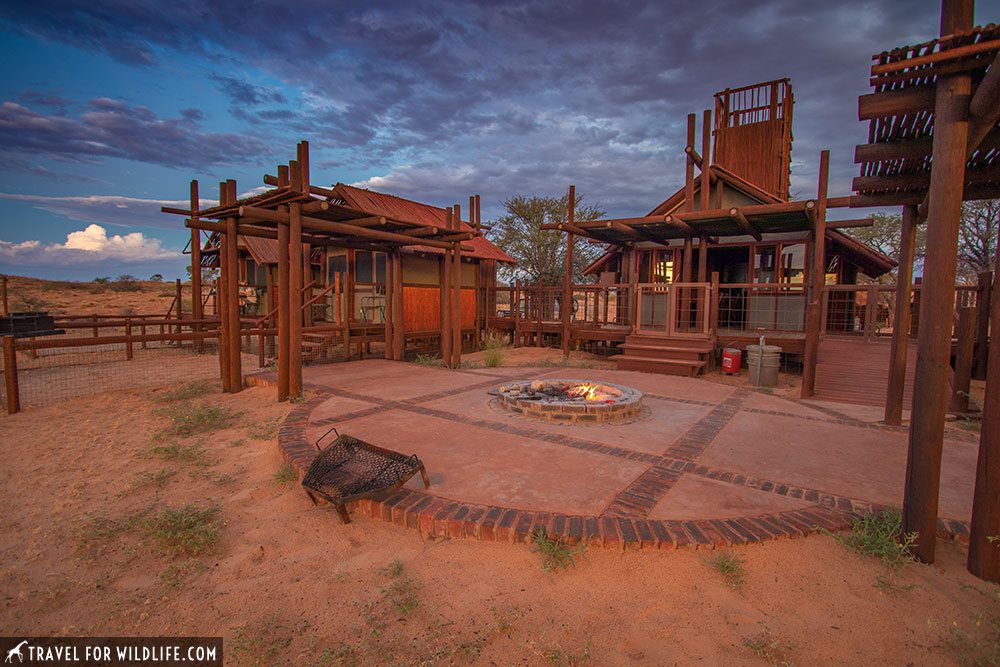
(586, 391)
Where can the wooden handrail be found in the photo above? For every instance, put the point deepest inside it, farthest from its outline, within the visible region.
(261, 320)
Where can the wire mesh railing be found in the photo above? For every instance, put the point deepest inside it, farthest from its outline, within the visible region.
(752, 307)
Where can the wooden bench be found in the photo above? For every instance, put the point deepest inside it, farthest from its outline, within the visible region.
(351, 469)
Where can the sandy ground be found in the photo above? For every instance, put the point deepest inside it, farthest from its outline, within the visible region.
(288, 584)
(81, 298)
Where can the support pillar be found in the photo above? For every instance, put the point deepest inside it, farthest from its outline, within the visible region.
(196, 310)
(398, 314)
(901, 327)
(566, 310)
(984, 556)
(817, 280)
(445, 282)
(456, 304)
(284, 313)
(295, 299)
(923, 465)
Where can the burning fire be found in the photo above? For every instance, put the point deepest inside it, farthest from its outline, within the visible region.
(585, 391)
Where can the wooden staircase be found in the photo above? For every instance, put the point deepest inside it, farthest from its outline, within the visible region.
(659, 354)
(315, 345)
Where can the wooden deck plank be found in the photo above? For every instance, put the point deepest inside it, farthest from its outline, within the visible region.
(855, 371)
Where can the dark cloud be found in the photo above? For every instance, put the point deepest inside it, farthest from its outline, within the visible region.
(499, 97)
(112, 128)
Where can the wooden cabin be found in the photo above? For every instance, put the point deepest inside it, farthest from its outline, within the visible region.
(347, 286)
(727, 257)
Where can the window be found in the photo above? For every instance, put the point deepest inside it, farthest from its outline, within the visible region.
(336, 264)
(763, 264)
(793, 263)
(362, 266)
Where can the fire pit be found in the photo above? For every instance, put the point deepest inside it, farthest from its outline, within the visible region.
(570, 400)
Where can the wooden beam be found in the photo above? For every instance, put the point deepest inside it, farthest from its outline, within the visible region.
(921, 180)
(693, 155)
(196, 310)
(846, 224)
(936, 57)
(679, 222)
(984, 108)
(901, 322)
(744, 224)
(914, 99)
(328, 226)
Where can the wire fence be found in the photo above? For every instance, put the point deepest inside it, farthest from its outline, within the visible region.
(52, 369)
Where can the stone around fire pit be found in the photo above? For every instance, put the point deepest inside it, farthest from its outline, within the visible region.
(570, 401)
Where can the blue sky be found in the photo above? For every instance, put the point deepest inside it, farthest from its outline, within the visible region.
(109, 109)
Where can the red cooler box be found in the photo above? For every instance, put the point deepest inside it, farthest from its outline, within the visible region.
(731, 360)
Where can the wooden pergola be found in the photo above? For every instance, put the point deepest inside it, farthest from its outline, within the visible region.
(299, 216)
(933, 142)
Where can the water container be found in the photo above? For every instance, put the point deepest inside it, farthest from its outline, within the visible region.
(763, 362)
(731, 360)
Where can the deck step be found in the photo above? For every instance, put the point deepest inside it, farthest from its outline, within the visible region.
(663, 352)
(655, 365)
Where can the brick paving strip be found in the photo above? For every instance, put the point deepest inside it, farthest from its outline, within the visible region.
(439, 517)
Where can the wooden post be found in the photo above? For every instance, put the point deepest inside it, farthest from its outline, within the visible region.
(689, 165)
(984, 556)
(233, 323)
(399, 325)
(128, 334)
(567, 297)
(3, 295)
(96, 333)
(706, 161)
(180, 310)
(901, 327)
(703, 259)
(284, 312)
(10, 375)
(817, 280)
(515, 311)
(983, 293)
(197, 311)
(445, 281)
(966, 335)
(295, 296)
(456, 268)
(389, 321)
(220, 292)
(923, 465)
(307, 279)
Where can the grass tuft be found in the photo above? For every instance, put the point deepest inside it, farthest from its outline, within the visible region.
(880, 534)
(190, 530)
(769, 648)
(143, 479)
(732, 567)
(555, 553)
(188, 419)
(495, 347)
(186, 391)
(402, 591)
(286, 473)
(193, 453)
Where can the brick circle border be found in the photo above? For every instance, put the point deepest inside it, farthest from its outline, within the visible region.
(438, 517)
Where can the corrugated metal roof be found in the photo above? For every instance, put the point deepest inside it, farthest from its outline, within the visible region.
(265, 251)
(391, 206)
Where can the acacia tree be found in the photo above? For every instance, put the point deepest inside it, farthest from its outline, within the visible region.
(540, 253)
(977, 237)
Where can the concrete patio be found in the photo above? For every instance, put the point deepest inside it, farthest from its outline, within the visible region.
(706, 464)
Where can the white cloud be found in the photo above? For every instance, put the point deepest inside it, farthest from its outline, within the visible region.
(87, 246)
(111, 209)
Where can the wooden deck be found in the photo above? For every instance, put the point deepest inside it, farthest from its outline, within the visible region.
(853, 371)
